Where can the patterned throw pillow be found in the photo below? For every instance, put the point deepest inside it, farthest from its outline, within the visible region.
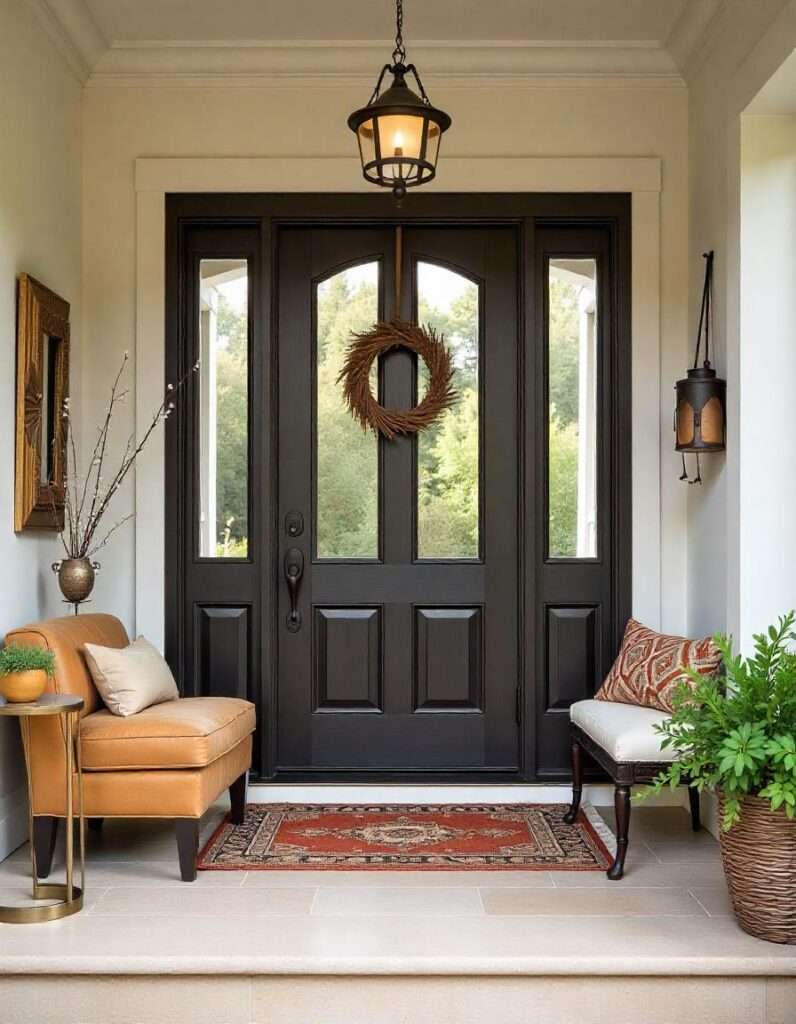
(649, 668)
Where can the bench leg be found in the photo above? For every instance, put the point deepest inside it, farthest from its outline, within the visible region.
(693, 799)
(237, 799)
(622, 809)
(187, 846)
(45, 830)
(576, 755)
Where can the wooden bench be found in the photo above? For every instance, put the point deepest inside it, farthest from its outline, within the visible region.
(622, 739)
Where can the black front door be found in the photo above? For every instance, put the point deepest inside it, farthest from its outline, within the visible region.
(403, 652)
(455, 591)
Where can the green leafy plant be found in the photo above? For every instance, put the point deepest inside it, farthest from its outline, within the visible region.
(737, 732)
(14, 658)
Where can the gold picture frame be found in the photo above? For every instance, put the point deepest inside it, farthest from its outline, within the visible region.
(42, 387)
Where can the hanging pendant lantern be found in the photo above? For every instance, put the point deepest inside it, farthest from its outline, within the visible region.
(399, 131)
(700, 414)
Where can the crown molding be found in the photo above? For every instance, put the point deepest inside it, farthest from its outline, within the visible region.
(72, 30)
(693, 33)
(343, 174)
(251, 62)
(451, 83)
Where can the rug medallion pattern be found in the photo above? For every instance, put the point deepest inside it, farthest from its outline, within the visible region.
(406, 837)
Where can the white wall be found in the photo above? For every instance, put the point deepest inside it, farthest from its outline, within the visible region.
(590, 118)
(749, 42)
(40, 114)
(767, 370)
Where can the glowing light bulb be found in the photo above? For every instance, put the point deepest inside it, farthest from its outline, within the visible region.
(398, 144)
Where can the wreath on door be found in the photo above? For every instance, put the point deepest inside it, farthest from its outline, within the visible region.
(366, 348)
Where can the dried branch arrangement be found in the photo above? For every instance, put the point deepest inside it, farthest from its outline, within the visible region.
(355, 377)
(87, 496)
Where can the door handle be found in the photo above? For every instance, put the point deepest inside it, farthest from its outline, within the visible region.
(294, 570)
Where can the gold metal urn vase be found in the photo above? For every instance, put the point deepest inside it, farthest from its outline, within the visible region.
(76, 578)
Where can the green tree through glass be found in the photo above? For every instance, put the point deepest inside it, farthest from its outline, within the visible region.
(347, 462)
(347, 456)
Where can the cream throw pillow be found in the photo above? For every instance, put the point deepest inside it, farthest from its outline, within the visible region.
(131, 678)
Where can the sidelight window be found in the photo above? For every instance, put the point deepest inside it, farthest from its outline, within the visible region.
(223, 386)
(572, 408)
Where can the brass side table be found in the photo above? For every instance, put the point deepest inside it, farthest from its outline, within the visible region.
(68, 895)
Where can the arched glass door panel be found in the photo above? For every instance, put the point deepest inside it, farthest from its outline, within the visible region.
(448, 453)
(347, 471)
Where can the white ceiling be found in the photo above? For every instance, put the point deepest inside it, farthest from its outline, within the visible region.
(778, 95)
(137, 40)
(270, 20)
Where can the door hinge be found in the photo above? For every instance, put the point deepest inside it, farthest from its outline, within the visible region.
(518, 705)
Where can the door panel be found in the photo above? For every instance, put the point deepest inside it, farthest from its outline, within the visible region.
(450, 655)
(222, 655)
(408, 640)
(572, 662)
(348, 659)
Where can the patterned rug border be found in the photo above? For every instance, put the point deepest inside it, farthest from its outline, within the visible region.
(588, 817)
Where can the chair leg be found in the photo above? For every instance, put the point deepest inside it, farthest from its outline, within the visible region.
(622, 809)
(187, 846)
(576, 755)
(693, 799)
(45, 831)
(237, 799)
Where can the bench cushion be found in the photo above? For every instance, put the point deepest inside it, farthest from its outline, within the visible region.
(625, 731)
(187, 733)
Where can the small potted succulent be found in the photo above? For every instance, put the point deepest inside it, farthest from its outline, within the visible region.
(24, 672)
(736, 734)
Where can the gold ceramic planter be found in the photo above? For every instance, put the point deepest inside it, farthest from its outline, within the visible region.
(23, 687)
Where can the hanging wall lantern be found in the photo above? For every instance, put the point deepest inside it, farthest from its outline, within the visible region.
(700, 415)
(398, 131)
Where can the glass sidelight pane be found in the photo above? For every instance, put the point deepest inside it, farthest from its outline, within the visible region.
(347, 472)
(572, 398)
(224, 409)
(448, 452)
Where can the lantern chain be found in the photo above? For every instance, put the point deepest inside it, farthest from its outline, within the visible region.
(706, 311)
(399, 53)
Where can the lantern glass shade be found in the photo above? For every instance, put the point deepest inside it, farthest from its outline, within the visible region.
(398, 135)
(685, 425)
(700, 414)
(712, 425)
(366, 137)
(432, 144)
(401, 135)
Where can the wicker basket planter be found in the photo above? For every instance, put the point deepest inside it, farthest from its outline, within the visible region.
(759, 856)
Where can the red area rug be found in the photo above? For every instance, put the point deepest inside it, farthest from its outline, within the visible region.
(520, 837)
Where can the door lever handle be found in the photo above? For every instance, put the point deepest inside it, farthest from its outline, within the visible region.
(294, 570)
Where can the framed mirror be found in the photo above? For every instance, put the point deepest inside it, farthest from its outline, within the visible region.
(42, 386)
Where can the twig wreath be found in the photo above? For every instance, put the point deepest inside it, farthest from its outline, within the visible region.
(355, 377)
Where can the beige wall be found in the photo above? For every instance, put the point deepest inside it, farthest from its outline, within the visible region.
(593, 119)
(749, 44)
(767, 370)
(40, 115)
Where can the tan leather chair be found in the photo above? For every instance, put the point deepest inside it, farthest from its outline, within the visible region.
(170, 761)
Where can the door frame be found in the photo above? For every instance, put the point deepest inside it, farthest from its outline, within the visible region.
(522, 210)
(640, 177)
